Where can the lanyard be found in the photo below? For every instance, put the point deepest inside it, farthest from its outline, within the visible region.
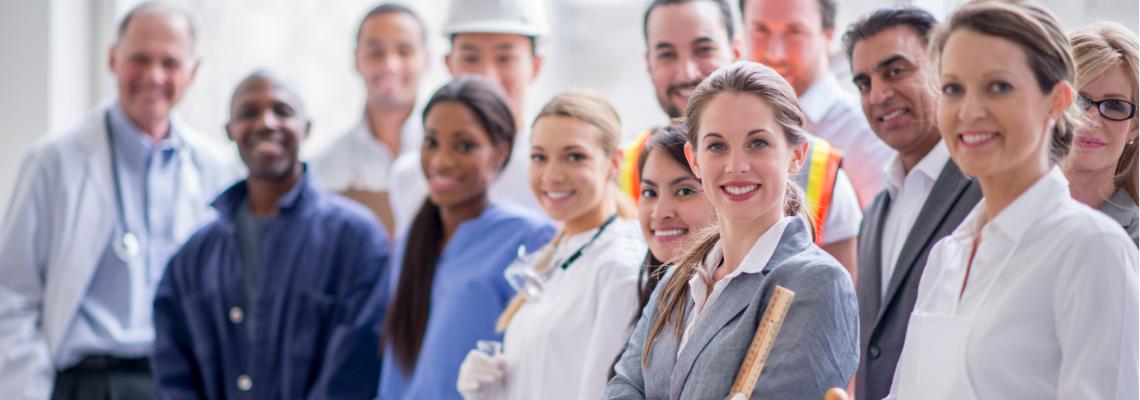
(578, 253)
(126, 246)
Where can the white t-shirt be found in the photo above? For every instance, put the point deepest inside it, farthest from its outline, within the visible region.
(357, 160)
(562, 345)
(410, 187)
(844, 215)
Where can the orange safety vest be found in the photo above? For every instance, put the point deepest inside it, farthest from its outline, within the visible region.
(628, 178)
(817, 178)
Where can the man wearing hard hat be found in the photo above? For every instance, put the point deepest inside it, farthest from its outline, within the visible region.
(497, 40)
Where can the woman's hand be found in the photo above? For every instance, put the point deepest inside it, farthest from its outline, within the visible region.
(481, 376)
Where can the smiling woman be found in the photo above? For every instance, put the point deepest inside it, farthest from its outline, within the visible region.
(745, 141)
(1030, 274)
(448, 279)
(566, 326)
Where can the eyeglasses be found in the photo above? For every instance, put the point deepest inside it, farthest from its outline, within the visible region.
(1111, 109)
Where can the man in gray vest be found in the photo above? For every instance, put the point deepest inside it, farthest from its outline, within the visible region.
(926, 195)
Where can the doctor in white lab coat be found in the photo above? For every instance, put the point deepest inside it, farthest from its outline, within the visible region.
(95, 214)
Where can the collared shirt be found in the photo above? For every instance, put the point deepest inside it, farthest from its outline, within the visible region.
(562, 345)
(357, 160)
(323, 266)
(908, 193)
(836, 116)
(753, 263)
(511, 187)
(468, 294)
(1052, 291)
(1123, 210)
(114, 318)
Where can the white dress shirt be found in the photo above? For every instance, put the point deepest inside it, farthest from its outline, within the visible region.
(836, 116)
(358, 160)
(410, 187)
(753, 263)
(1049, 310)
(908, 193)
(562, 345)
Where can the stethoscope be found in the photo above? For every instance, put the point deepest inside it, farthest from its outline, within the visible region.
(126, 246)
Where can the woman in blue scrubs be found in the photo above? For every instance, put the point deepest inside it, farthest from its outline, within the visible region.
(448, 285)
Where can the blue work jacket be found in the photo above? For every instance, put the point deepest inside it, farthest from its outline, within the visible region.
(323, 257)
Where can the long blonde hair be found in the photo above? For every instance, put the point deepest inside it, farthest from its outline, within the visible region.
(742, 77)
(1098, 48)
(592, 108)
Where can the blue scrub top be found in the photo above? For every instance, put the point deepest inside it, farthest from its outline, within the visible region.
(468, 294)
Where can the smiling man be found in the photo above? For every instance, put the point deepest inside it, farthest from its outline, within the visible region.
(391, 57)
(793, 37)
(266, 301)
(95, 216)
(926, 195)
(498, 41)
(686, 41)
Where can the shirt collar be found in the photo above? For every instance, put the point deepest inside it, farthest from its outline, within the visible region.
(820, 96)
(134, 144)
(1040, 199)
(929, 167)
(756, 259)
(411, 133)
(228, 202)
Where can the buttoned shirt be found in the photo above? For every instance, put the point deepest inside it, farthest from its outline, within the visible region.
(114, 318)
(1050, 301)
(753, 263)
(908, 192)
(836, 116)
(357, 160)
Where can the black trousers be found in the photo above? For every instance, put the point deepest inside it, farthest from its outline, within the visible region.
(104, 378)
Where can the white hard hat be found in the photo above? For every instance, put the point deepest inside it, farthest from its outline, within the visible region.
(521, 17)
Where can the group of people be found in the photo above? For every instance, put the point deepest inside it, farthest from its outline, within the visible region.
(966, 227)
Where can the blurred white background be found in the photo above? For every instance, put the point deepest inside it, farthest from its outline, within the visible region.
(54, 63)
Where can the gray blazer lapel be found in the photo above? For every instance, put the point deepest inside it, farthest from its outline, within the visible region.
(949, 186)
(740, 293)
(731, 303)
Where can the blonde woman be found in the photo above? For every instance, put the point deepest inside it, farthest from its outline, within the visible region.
(1034, 295)
(745, 141)
(564, 330)
(1101, 167)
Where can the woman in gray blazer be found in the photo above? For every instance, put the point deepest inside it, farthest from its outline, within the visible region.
(745, 141)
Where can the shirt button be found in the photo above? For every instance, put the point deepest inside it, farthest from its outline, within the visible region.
(236, 316)
(874, 352)
(244, 383)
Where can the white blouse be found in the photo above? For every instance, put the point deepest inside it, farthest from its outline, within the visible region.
(1049, 311)
(562, 345)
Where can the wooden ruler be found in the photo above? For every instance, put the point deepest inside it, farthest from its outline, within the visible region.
(762, 342)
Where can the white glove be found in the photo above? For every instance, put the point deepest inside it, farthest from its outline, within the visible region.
(481, 377)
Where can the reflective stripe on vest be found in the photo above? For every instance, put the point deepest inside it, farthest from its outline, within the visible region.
(629, 180)
(817, 179)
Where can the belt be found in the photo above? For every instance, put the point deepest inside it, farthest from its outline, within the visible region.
(104, 363)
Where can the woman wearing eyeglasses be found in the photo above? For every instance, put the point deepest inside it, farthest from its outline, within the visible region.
(572, 317)
(1034, 295)
(1101, 167)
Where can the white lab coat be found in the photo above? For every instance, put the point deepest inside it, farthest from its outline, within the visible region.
(57, 226)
